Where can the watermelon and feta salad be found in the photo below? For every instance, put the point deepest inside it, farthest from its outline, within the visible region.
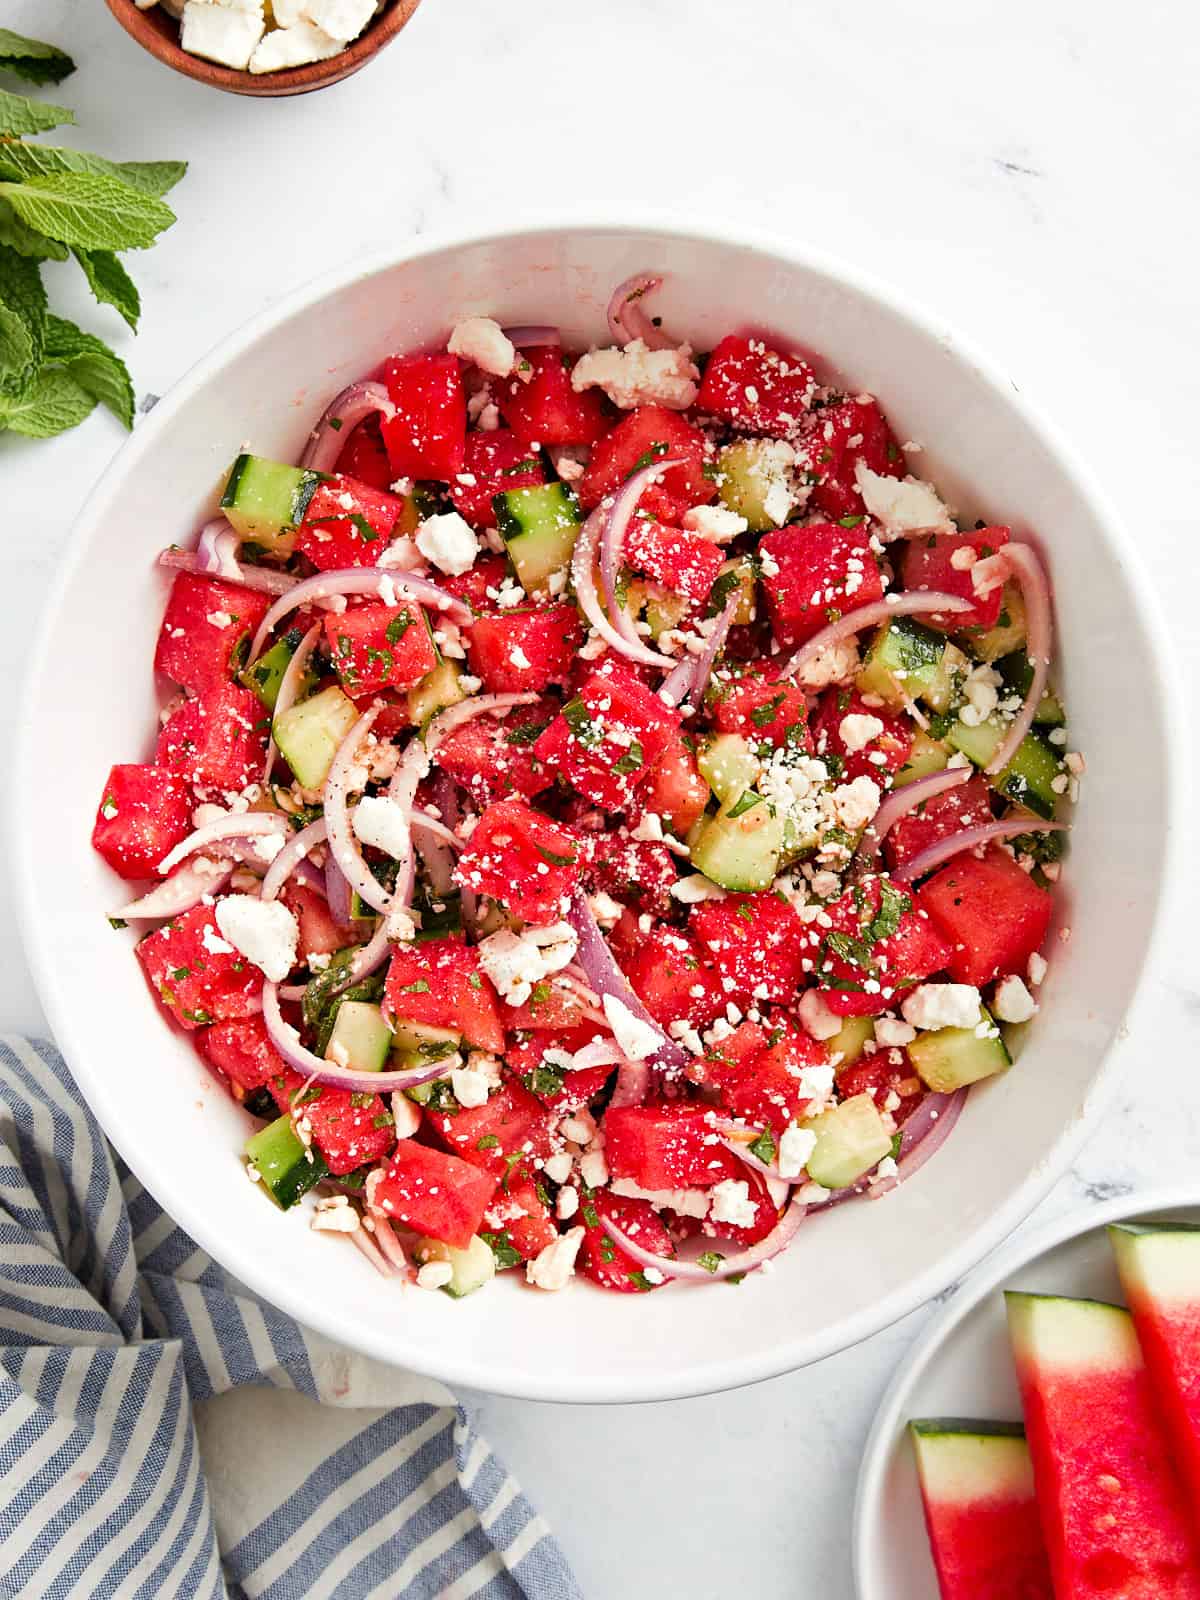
(607, 809)
(1096, 1496)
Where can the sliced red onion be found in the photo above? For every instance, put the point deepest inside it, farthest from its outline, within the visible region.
(445, 722)
(596, 1053)
(583, 576)
(366, 1246)
(627, 316)
(390, 1247)
(265, 580)
(437, 857)
(235, 825)
(360, 580)
(287, 1041)
(339, 829)
(186, 888)
(716, 643)
(606, 978)
(311, 876)
(927, 1130)
(1024, 565)
(289, 688)
(911, 604)
(898, 804)
(328, 439)
(528, 335)
(633, 1083)
(968, 839)
(337, 893)
(612, 543)
(293, 852)
(217, 549)
(435, 831)
(778, 1239)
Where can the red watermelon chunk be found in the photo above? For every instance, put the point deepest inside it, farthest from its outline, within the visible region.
(766, 1088)
(636, 872)
(824, 571)
(675, 791)
(980, 1511)
(495, 462)
(991, 912)
(636, 441)
(540, 406)
(380, 647)
(426, 438)
(526, 861)
(196, 974)
(671, 978)
(761, 711)
(438, 983)
(143, 814)
(885, 751)
(968, 806)
(510, 1122)
(363, 456)
(683, 562)
(667, 1147)
(837, 439)
(757, 942)
(754, 387)
(348, 524)
(206, 631)
(435, 1194)
(606, 741)
(929, 563)
(1112, 1510)
(604, 1262)
(519, 1219)
(242, 1052)
(493, 756)
(217, 741)
(517, 652)
(878, 945)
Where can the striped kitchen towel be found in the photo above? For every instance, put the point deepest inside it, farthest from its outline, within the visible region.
(112, 1323)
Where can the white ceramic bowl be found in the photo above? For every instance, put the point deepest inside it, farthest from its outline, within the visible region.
(90, 701)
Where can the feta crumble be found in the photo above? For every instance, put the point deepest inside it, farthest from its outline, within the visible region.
(731, 1203)
(1012, 1001)
(942, 1005)
(516, 961)
(554, 1266)
(638, 376)
(636, 1039)
(449, 542)
(264, 931)
(485, 344)
(382, 824)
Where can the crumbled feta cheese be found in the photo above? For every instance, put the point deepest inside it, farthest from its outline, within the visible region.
(690, 891)
(685, 1202)
(795, 1147)
(558, 1168)
(639, 376)
(981, 690)
(942, 1005)
(1037, 969)
(964, 558)
(341, 19)
(567, 1203)
(856, 731)
(716, 523)
(382, 824)
(518, 658)
(887, 1168)
(554, 1266)
(593, 1169)
(214, 944)
(637, 1039)
(264, 931)
(293, 47)
(406, 1114)
(434, 1275)
(335, 1214)
(816, 1016)
(449, 542)
(835, 664)
(607, 911)
(816, 1084)
(902, 505)
(1012, 1001)
(649, 829)
(856, 803)
(470, 1088)
(516, 961)
(892, 1034)
(731, 1203)
(485, 344)
(226, 34)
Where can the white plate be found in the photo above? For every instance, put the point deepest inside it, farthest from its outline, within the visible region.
(962, 1367)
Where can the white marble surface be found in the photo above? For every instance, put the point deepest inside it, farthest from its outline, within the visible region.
(1029, 166)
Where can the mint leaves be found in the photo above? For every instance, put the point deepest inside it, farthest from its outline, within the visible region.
(57, 204)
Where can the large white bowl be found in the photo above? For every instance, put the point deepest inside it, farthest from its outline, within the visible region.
(90, 701)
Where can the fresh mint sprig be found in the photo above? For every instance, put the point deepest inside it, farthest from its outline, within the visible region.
(55, 204)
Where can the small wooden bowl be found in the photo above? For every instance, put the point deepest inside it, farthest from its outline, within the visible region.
(157, 32)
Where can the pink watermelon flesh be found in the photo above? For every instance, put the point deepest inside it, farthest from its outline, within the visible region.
(1160, 1273)
(980, 1511)
(1112, 1509)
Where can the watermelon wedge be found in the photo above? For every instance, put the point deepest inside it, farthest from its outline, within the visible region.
(1112, 1509)
(980, 1510)
(1160, 1273)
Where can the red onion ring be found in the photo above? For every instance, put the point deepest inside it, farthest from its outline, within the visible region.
(935, 854)
(529, 334)
(633, 1083)
(216, 550)
(337, 893)
(927, 1130)
(359, 580)
(287, 1041)
(339, 829)
(439, 832)
(701, 669)
(606, 978)
(583, 562)
(729, 1132)
(367, 1247)
(454, 716)
(328, 439)
(627, 318)
(898, 804)
(390, 1247)
(241, 825)
(612, 543)
(1023, 563)
(265, 580)
(913, 603)
(778, 1239)
(289, 688)
(195, 881)
(293, 852)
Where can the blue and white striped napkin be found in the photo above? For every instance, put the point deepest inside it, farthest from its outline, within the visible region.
(112, 1323)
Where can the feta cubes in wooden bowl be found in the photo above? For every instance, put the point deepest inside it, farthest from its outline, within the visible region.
(263, 47)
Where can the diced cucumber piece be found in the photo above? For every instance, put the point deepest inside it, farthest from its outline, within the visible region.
(287, 1169)
(953, 1057)
(735, 574)
(747, 471)
(907, 661)
(945, 688)
(1028, 779)
(308, 734)
(472, 1267)
(436, 690)
(851, 1040)
(740, 847)
(266, 500)
(265, 676)
(416, 1045)
(538, 526)
(989, 644)
(729, 766)
(361, 1039)
(662, 609)
(851, 1139)
(1017, 672)
(927, 756)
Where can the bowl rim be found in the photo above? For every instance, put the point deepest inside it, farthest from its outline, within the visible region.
(1024, 1252)
(735, 1370)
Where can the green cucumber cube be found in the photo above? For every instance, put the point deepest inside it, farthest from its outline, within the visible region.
(308, 734)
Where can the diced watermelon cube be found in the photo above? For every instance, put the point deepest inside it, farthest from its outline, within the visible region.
(756, 941)
(426, 438)
(968, 806)
(349, 1129)
(878, 945)
(991, 913)
(195, 974)
(511, 1122)
(761, 710)
(217, 741)
(766, 1089)
(143, 814)
(837, 439)
(206, 631)
(667, 1147)
(754, 387)
(683, 562)
(348, 524)
(928, 563)
(638, 439)
(635, 871)
(241, 1050)
(666, 971)
(675, 791)
(604, 1262)
(540, 406)
(493, 756)
(884, 753)
(363, 456)
(520, 1219)
(473, 586)
(435, 1194)
(607, 740)
(766, 1214)
(881, 1075)
(438, 983)
(497, 462)
(380, 647)
(526, 650)
(523, 859)
(824, 571)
